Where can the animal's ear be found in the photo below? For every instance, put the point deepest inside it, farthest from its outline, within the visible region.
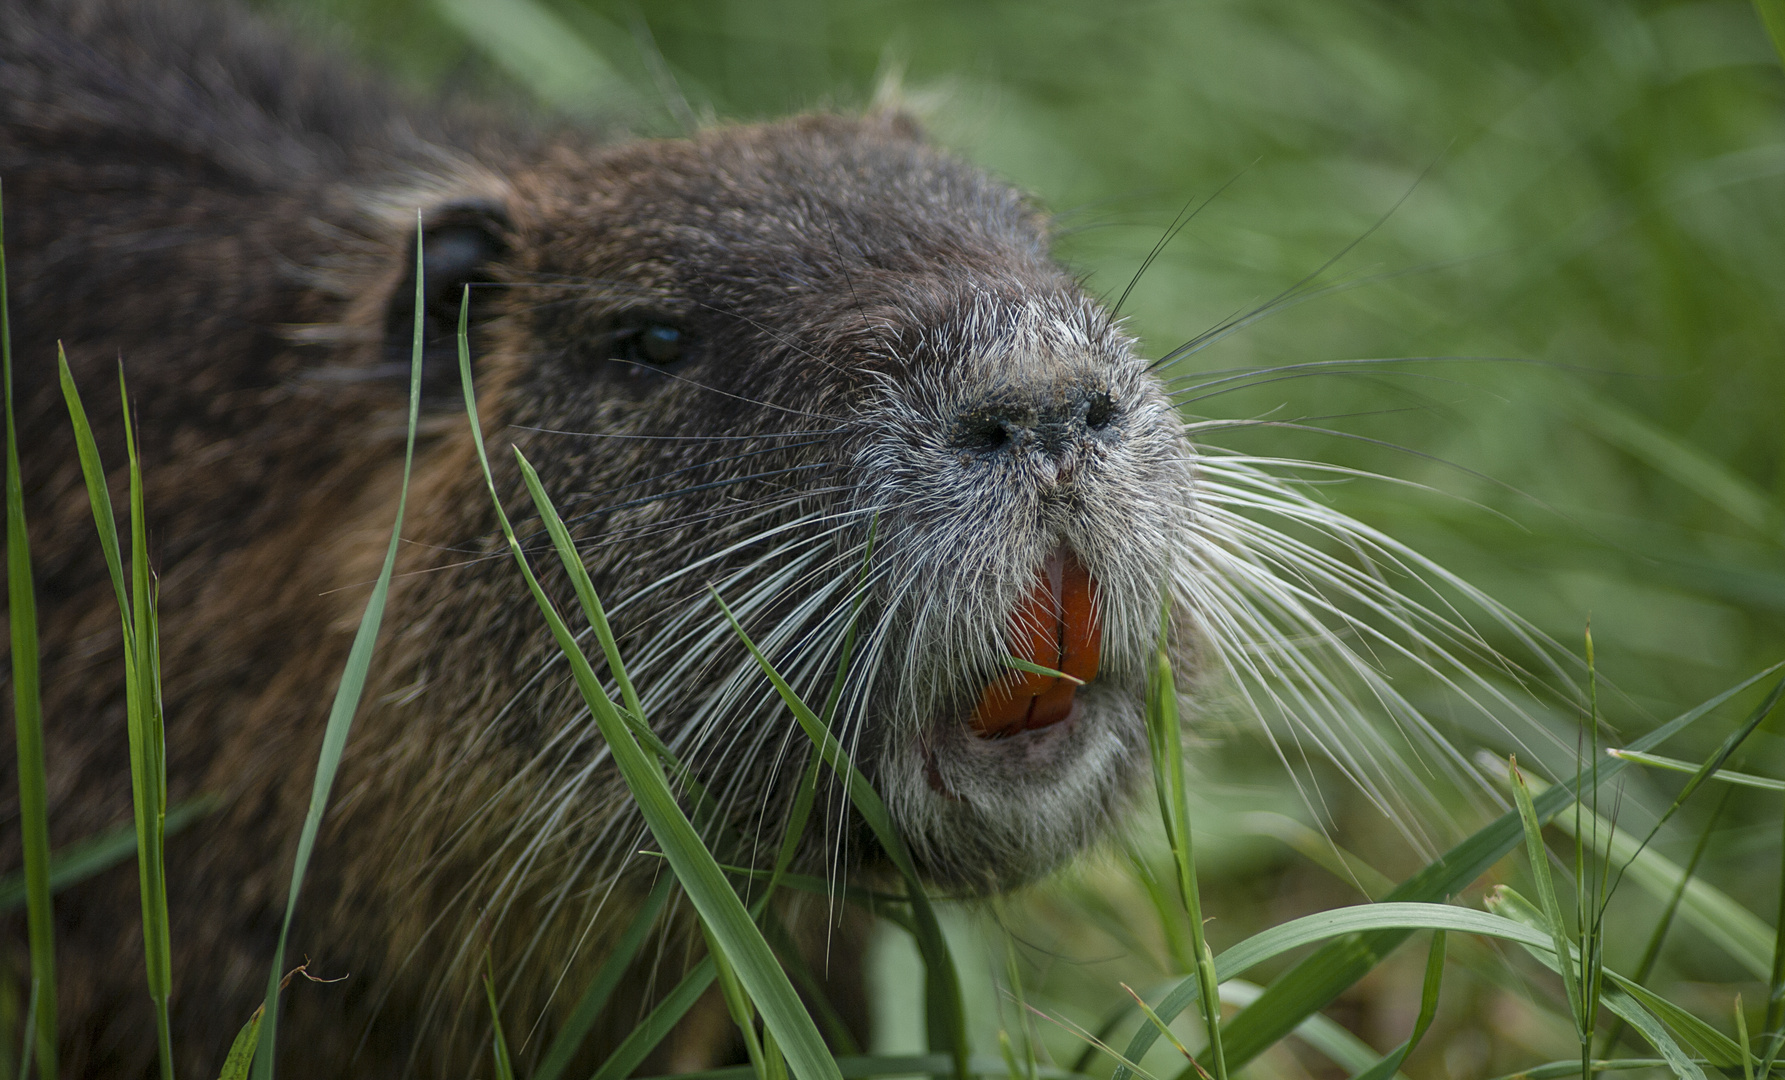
(461, 243)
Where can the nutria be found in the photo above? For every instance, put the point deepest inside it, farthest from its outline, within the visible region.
(733, 357)
(727, 354)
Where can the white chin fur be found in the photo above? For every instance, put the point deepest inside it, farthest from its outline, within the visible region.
(984, 814)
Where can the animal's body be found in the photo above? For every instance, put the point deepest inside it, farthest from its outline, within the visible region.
(732, 357)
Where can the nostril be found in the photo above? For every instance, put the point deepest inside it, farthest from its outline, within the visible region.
(1099, 411)
(982, 432)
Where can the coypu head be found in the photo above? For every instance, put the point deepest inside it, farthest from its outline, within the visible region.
(734, 360)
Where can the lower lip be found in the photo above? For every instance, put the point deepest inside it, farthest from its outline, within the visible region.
(1056, 626)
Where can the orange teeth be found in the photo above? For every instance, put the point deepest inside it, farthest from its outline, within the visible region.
(1056, 626)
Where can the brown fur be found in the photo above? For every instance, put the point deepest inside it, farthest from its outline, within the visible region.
(236, 224)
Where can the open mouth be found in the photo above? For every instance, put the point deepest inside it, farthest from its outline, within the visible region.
(1056, 626)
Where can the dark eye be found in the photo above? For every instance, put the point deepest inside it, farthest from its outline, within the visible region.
(654, 344)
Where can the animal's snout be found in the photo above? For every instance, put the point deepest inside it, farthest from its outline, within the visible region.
(1049, 420)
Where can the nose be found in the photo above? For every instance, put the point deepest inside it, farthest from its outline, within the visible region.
(1050, 420)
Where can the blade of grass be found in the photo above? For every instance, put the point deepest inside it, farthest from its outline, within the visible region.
(1163, 1028)
(658, 1023)
(1428, 1011)
(1013, 979)
(1712, 764)
(347, 694)
(1033, 668)
(1711, 911)
(1775, 996)
(1772, 16)
(498, 1041)
(724, 915)
(836, 1029)
(99, 497)
(867, 1067)
(1505, 899)
(148, 751)
(1652, 951)
(737, 1004)
(1339, 1045)
(241, 1052)
(30, 1029)
(27, 714)
(1556, 1069)
(1712, 1045)
(1165, 739)
(570, 1037)
(1321, 977)
(1399, 916)
(148, 770)
(1764, 783)
(661, 1020)
(1741, 1036)
(1552, 909)
(943, 986)
(1171, 923)
(85, 858)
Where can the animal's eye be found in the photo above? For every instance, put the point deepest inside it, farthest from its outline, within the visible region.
(655, 344)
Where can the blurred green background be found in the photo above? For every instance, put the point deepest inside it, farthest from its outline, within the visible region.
(1560, 227)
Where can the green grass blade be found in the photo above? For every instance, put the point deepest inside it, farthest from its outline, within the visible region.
(27, 706)
(1741, 1035)
(1764, 783)
(1708, 909)
(1715, 762)
(1775, 997)
(241, 1052)
(704, 883)
(148, 771)
(1013, 979)
(1428, 1011)
(498, 1040)
(1323, 976)
(81, 860)
(1554, 1070)
(347, 694)
(836, 1029)
(1339, 1045)
(570, 1037)
(870, 1066)
(1160, 1026)
(807, 793)
(1033, 668)
(737, 1004)
(1652, 951)
(1772, 16)
(1178, 947)
(945, 1010)
(573, 565)
(30, 1029)
(1712, 1045)
(774, 1062)
(1165, 740)
(1396, 916)
(1546, 894)
(98, 493)
(658, 1023)
(1622, 1005)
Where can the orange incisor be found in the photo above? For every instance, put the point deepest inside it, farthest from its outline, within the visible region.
(1056, 626)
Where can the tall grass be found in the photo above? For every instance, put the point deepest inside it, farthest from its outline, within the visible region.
(27, 717)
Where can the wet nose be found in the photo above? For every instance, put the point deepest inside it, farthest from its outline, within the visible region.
(1048, 420)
